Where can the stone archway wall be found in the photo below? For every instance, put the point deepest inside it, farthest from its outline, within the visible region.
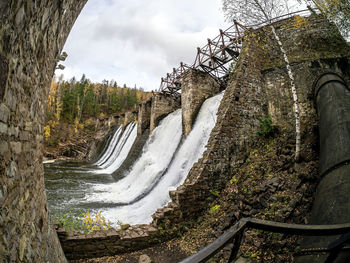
(32, 35)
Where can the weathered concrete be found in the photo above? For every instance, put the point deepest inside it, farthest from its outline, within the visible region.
(196, 87)
(144, 116)
(162, 105)
(32, 34)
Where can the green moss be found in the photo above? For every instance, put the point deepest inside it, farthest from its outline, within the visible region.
(214, 209)
(124, 227)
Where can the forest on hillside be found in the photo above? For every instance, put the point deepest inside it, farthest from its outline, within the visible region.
(78, 104)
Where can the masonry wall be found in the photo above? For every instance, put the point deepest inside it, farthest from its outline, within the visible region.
(32, 34)
(196, 87)
(260, 87)
(129, 117)
(162, 105)
(144, 116)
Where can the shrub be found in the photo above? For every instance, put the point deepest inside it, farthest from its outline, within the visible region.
(214, 209)
(84, 223)
(266, 128)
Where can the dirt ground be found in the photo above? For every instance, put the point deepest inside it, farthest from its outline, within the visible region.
(169, 252)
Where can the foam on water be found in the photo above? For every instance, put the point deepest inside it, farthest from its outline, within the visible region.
(155, 159)
(120, 151)
(110, 148)
(145, 173)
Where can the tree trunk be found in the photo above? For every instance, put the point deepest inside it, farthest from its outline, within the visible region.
(294, 93)
(292, 84)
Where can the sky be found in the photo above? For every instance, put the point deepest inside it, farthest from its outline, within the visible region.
(136, 42)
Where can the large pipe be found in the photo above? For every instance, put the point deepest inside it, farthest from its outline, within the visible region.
(332, 200)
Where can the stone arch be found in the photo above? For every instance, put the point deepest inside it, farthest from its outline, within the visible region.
(32, 35)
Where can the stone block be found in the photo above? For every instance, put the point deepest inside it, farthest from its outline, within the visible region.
(3, 147)
(3, 127)
(16, 147)
(4, 112)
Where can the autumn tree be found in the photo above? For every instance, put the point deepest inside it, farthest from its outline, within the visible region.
(263, 11)
(80, 100)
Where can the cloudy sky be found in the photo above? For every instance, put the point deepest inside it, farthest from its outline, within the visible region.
(138, 41)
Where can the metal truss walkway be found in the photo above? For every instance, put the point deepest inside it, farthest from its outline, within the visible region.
(215, 57)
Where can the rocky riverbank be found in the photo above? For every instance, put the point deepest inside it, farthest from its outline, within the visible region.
(66, 142)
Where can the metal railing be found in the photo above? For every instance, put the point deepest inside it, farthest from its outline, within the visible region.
(235, 234)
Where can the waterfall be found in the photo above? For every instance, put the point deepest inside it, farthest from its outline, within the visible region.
(120, 151)
(153, 172)
(110, 148)
(147, 170)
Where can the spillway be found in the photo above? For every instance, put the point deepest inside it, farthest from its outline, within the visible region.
(162, 166)
(120, 150)
(154, 188)
(145, 173)
(110, 147)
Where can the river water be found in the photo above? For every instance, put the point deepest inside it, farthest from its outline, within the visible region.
(163, 165)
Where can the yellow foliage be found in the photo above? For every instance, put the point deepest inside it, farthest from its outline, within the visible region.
(47, 132)
(299, 21)
(76, 124)
(95, 224)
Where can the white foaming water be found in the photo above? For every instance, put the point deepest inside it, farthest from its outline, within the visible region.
(110, 148)
(155, 158)
(190, 151)
(120, 151)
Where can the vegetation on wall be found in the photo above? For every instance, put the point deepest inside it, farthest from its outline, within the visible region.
(263, 11)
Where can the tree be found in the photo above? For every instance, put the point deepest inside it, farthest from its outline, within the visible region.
(251, 12)
(76, 101)
(260, 11)
(337, 11)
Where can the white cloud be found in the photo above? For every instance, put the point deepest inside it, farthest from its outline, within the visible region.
(137, 41)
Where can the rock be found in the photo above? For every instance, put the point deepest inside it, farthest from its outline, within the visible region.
(3, 147)
(242, 260)
(145, 259)
(124, 226)
(3, 127)
(4, 113)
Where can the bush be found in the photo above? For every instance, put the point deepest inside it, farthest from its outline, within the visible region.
(84, 223)
(266, 128)
(214, 209)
